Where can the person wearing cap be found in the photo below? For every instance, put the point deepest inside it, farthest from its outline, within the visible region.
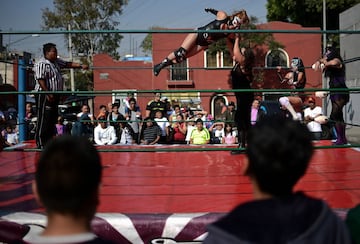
(104, 134)
(311, 114)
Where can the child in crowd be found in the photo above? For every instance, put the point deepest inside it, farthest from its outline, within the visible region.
(230, 135)
(10, 136)
(217, 133)
(60, 127)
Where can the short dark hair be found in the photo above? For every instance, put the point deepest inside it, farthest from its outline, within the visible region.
(68, 175)
(47, 47)
(279, 151)
(132, 100)
(199, 121)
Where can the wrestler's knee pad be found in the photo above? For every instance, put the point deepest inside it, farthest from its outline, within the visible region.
(180, 54)
(284, 101)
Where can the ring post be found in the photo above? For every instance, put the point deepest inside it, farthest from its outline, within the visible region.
(21, 99)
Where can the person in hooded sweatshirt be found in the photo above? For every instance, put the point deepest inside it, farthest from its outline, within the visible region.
(279, 151)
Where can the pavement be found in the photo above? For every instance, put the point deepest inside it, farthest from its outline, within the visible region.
(353, 134)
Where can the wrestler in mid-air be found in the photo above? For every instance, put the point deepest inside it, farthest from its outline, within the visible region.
(195, 42)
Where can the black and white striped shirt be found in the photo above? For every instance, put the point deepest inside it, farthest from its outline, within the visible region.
(50, 72)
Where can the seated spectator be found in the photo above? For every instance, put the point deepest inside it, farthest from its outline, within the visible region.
(164, 124)
(311, 114)
(179, 129)
(126, 135)
(200, 135)
(151, 132)
(60, 127)
(175, 113)
(104, 134)
(84, 124)
(190, 126)
(278, 151)
(230, 135)
(10, 136)
(217, 133)
(67, 182)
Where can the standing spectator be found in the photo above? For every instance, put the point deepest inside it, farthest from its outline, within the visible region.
(104, 134)
(115, 118)
(229, 114)
(155, 105)
(179, 128)
(175, 113)
(67, 182)
(310, 114)
(60, 127)
(334, 68)
(279, 152)
(30, 125)
(200, 135)
(256, 112)
(241, 78)
(151, 132)
(164, 124)
(48, 79)
(133, 115)
(102, 112)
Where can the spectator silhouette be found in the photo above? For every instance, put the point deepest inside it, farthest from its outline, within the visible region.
(67, 181)
(278, 151)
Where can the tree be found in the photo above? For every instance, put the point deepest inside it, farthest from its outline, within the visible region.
(308, 13)
(87, 15)
(146, 44)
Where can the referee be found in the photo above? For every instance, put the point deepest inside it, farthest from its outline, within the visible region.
(48, 78)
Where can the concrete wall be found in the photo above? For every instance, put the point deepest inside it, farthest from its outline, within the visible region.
(349, 48)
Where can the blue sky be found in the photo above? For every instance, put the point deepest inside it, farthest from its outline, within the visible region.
(25, 15)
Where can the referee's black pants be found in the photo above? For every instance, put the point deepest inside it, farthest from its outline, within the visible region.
(47, 113)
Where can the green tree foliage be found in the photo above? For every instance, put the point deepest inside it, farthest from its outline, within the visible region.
(87, 15)
(146, 44)
(308, 13)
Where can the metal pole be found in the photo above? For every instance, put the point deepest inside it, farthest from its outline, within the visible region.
(72, 82)
(324, 80)
(21, 99)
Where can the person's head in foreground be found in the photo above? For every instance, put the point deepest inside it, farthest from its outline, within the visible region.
(67, 180)
(278, 151)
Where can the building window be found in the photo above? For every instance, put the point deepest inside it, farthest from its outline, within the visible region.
(179, 71)
(219, 59)
(276, 58)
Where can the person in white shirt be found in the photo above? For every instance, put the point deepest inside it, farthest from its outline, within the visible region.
(310, 114)
(164, 124)
(104, 134)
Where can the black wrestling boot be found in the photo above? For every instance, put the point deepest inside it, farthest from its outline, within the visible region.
(160, 66)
